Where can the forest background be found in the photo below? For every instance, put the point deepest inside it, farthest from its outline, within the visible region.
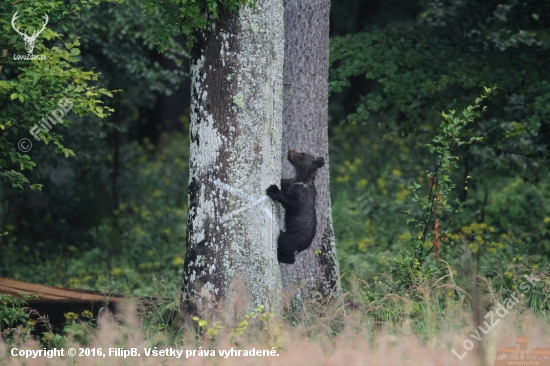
(111, 212)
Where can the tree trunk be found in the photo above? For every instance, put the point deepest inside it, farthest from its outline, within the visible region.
(236, 128)
(305, 128)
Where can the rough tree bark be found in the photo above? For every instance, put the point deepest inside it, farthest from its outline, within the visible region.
(305, 128)
(236, 128)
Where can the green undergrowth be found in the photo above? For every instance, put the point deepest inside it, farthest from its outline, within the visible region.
(426, 316)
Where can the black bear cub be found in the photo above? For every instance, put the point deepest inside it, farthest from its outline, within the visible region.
(297, 195)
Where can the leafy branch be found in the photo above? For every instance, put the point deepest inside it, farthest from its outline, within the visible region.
(30, 90)
(188, 17)
(437, 208)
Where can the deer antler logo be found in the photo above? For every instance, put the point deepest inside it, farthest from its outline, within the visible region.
(29, 40)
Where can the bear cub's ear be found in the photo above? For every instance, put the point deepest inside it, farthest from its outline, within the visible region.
(318, 162)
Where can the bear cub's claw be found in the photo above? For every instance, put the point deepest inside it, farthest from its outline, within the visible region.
(272, 190)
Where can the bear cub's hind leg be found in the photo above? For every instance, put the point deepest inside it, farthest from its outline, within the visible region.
(285, 249)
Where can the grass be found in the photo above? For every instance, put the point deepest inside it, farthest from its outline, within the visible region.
(369, 324)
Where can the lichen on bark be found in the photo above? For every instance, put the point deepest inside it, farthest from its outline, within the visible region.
(236, 124)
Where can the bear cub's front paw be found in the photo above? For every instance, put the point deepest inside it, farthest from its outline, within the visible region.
(272, 190)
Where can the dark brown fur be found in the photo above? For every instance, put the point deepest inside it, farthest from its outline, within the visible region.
(297, 195)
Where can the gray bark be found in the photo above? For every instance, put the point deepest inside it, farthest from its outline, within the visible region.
(305, 128)
(236, 128)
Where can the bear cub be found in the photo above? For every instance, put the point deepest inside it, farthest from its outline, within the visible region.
(297, 195)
